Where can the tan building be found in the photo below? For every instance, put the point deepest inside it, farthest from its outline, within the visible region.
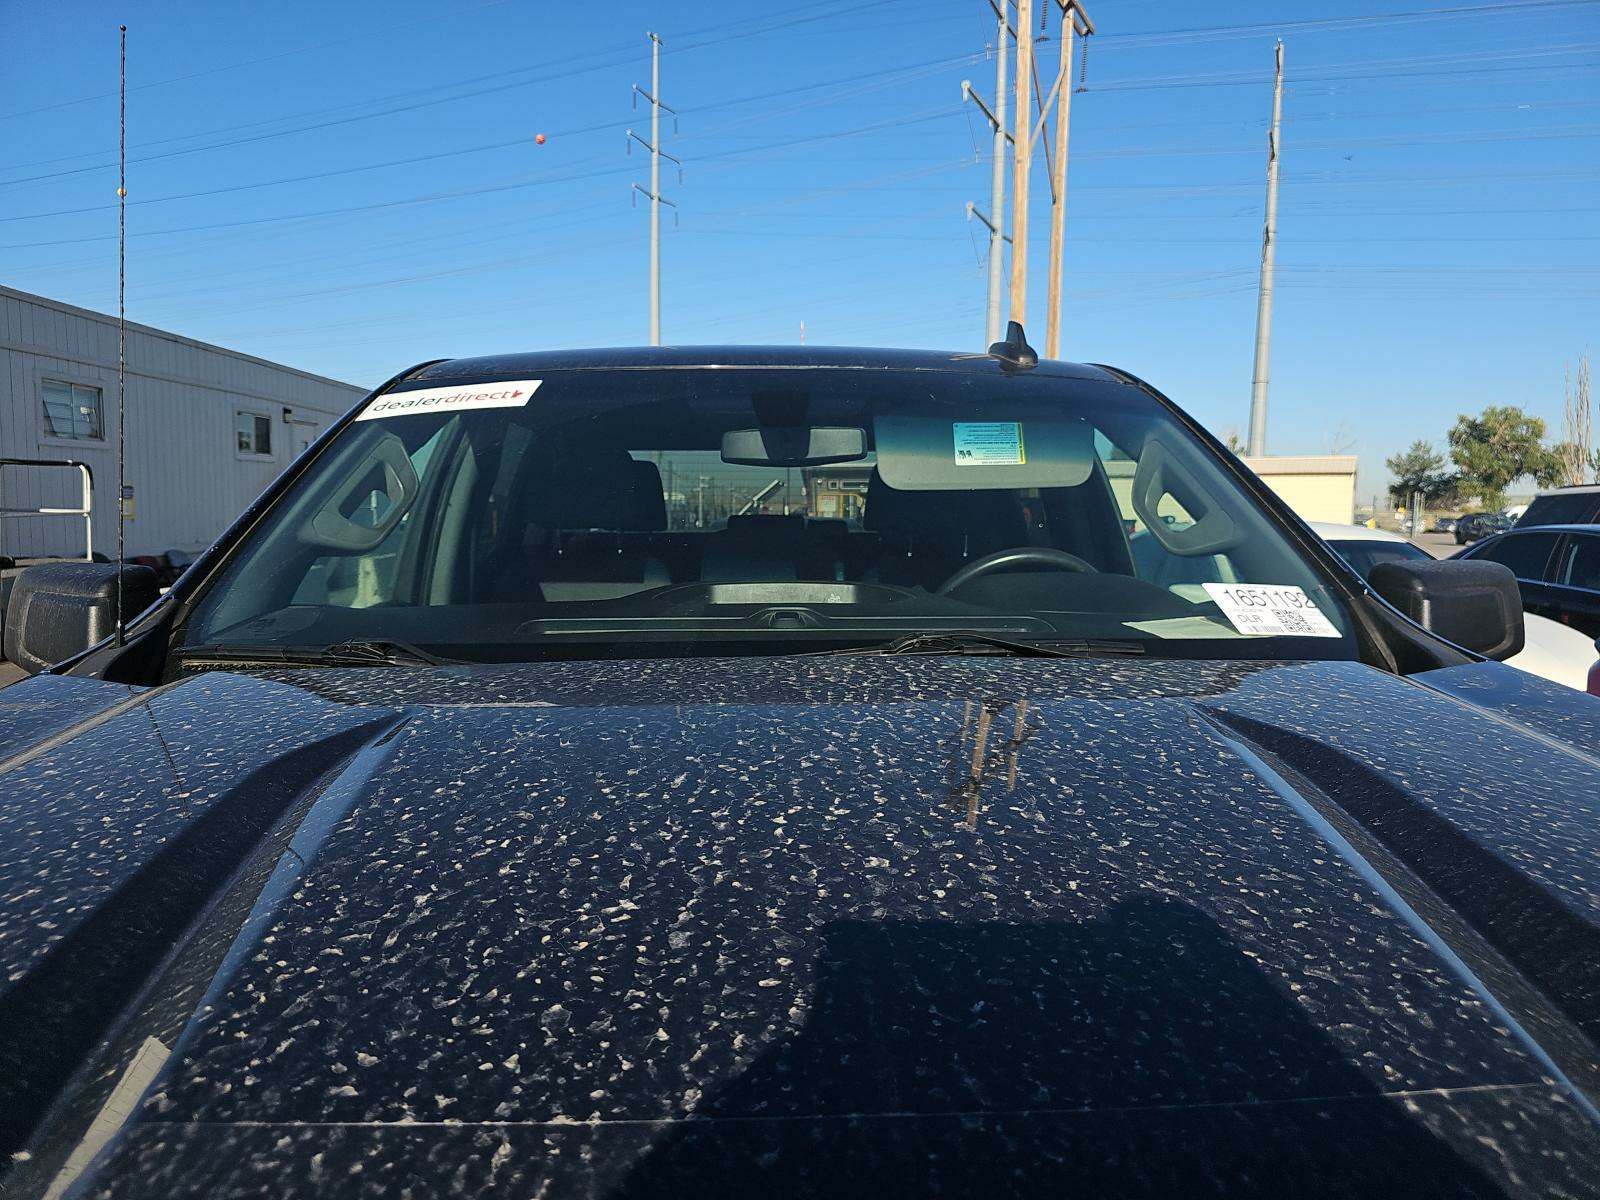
(1319, 487)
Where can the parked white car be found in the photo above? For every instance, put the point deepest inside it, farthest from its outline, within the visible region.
(1552, 650)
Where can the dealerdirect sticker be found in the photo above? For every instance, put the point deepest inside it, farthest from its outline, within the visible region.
(1271, 609)
(510, 393)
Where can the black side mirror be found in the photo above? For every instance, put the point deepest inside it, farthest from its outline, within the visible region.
(1468, 601)
(60, 609)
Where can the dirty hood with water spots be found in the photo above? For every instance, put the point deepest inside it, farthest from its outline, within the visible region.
(850, 926)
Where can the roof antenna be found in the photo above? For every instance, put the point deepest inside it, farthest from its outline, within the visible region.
(1014, 353)
(122, 319)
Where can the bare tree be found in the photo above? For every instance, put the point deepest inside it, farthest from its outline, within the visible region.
(1343, 439)
(1576, 452)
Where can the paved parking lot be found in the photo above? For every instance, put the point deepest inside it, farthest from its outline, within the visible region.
(1440, 545)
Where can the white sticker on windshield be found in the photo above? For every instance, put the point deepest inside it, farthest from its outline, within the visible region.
(1272, 609)
(510, 393)
(989, 444)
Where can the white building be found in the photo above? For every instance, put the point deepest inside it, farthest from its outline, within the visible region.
(208, 428)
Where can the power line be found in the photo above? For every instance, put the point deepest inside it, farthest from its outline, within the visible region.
(1136, 85)
(1312, 24)
(366, 35)
(529, 182)
(891, 74)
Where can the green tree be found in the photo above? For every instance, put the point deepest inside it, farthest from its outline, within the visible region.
(1421, 469)
(1499, 445)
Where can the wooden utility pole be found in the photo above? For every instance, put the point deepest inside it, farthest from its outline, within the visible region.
(1071, 15)
(1021, 160)
(1257, 444)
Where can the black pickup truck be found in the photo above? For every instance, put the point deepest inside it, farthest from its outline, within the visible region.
(732, 772)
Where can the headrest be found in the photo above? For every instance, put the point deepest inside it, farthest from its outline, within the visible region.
(649, 502)
(582, 488)
(760, 525)
(989, 517)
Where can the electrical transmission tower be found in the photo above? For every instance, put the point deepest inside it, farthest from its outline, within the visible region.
(995, 218)
(653, 192)
(1019, 142)
(1269, 250)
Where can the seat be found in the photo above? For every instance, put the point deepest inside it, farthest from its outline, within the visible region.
(649, 502)
(577, 503)
(755, 547)
(928, 536)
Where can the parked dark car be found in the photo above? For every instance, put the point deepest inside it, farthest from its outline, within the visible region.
(1474, 526)
(543, 790)
(1557, 569)
(1563, 506)
(1445, 525)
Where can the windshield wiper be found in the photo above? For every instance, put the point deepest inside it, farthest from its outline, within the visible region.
(970, 641)
(353, 653)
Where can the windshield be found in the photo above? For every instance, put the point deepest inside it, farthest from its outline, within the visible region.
(1365, 553)
(670, 511)
(1563, 508)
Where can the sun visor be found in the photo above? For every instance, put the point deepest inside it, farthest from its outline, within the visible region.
(939, 453)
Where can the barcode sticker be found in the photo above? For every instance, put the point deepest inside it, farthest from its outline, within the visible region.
(1273, 610)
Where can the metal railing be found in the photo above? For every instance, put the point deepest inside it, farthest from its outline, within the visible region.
(86, 511)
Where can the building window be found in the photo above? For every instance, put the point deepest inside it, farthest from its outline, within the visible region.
(252, 433)
(72, 410)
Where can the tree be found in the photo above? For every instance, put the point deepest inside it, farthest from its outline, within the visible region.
(1499, 445)
(1421, 469)
(1576, 453)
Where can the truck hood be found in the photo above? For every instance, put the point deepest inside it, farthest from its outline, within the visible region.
(801, 926)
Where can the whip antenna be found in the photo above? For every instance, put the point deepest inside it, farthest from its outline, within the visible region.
(122, 316)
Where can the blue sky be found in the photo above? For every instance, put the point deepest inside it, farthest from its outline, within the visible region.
(353, 187)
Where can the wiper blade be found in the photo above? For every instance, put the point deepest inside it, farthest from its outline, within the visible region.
(387, 652)
(970, 641)
(353, 653)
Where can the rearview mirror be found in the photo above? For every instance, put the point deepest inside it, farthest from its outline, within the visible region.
(793, 445)
(1470, 602)
(57, 610)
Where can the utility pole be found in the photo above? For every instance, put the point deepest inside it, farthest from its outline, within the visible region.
(995, 220)
(1022, 155)
(1071, 13)
(122, 321)
(1269, 245)
(654, 193)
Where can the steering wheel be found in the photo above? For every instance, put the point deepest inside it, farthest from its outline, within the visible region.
(1002, 560)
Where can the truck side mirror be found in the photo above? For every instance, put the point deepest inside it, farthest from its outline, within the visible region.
(60, 609)
(1471, 602)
